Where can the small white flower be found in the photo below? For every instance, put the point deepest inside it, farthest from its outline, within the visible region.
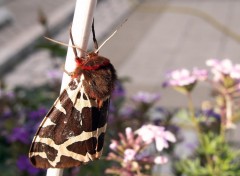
(129, 155)
(129, 133)
(150, 133)
(160, 160)
(113, 145)
(145, 97)
(181, 77)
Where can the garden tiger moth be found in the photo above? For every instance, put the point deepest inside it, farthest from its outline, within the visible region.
(72, 132)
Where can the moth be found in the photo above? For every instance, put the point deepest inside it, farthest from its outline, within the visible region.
(72, 133)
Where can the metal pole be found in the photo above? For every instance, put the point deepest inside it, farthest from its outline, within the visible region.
(81, 28)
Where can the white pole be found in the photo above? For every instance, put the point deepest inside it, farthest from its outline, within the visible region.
(81, 28)
(54, 172)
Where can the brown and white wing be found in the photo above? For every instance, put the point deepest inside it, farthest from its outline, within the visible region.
(72, 133)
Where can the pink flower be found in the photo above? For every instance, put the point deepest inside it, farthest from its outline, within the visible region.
(225, 66)
(200, 74)
(221, 68)
(235, 73)
(184, 80)
(184, 77)
(129, 133)
(113, 145)
(181, 77)
(160, 160)
(145, 97)
(150, 133)
(129, 155)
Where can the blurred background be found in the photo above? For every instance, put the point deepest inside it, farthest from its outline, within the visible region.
(158, 37)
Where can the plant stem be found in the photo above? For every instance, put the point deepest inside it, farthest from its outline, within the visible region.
(191, 110)
(200, 136)
(227, 116)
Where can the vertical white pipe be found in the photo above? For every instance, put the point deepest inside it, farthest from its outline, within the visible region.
(81, 28)
(54, 172)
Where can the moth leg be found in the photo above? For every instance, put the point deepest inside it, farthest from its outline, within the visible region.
(100, 103)
(69, 73)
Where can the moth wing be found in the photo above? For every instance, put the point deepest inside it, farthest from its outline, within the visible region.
(72, 132)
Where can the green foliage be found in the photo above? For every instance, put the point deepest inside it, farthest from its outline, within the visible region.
(95, 168)
(35, 97)
(213, 157)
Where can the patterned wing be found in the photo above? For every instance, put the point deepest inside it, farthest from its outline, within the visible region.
(72, 132)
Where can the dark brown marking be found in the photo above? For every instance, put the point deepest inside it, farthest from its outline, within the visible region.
(79, 95)
(41, 147)
(98, 120)
(84, 147)
(84, 96)
(40, 162)
(103, 114)
(67, 162)
(68, 125)
(72, 85)
(100, 142)
(91, 145)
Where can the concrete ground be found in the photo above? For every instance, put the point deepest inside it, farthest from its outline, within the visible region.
(162, 35)
(31, 68)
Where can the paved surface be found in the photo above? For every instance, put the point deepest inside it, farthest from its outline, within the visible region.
(161, 35)
(25, 15)
(34, 68)
(164, 35)
(19, 37)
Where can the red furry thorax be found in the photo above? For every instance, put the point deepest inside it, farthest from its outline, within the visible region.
(81, 63)
(78, 61)
(95, 67)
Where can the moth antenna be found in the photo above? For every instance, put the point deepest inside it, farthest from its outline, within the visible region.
(64, 44)
(71, 38)
(96, 51)
(94, 36)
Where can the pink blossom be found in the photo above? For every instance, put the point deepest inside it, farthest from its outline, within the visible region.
(160, 160)
(184, 77)
(181, 77)
(129, 133)
(113, 145)
(145, 97)
(235, 73)
(221, 68)
(150, 133)
(129, 154)
(200, 74)
(225, 66)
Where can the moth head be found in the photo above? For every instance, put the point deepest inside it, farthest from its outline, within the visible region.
(93, 54)
(78, 61)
